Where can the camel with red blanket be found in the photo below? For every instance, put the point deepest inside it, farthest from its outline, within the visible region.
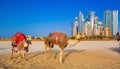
(57, 38)
(19, 45)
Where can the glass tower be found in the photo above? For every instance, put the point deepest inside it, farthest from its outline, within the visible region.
(108, 20)
(81, 22)
(90, 18)
(115, 21)
(75, 27)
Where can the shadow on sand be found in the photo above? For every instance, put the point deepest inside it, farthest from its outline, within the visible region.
(67, 53)
(32, 55)
(70, 52)
(55, 52)
(116, 49)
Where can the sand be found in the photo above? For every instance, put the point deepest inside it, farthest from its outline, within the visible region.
(83, 55)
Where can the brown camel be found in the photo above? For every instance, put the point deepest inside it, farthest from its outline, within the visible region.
(19, 45)
(57, 38)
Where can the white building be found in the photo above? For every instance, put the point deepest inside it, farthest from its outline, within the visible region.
(90, 23)
(88, 29)
(115, 21)
(81, 24)
(75, 27)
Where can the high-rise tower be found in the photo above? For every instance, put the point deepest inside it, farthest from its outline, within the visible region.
(115, 21)
(75, 27)
(108, 20)
(81, 22)
(90, 18)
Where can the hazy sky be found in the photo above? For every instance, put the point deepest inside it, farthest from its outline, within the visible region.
(40, 17)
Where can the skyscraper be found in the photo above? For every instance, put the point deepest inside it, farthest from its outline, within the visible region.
(115, 21)
(90, 18)
(92, 15)
(97, 26)
(88, 29)
(108, 20)
(111, 21)
(75, 27)
(81, 22)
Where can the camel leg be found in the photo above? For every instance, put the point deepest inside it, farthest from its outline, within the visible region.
(23, 54)
(12, 51)
(19, 55)
(61, 55)
(45, 49)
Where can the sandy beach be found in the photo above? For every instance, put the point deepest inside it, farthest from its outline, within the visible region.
(83, 55)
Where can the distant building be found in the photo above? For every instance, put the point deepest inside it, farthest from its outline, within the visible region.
(90, 20)
(93, 26)
(107, 32)
(81, 24)
(103, 31)
(111, 21)
(108, 20)
(88, 29)
(97, 27)
(75, 27)
(115, 21)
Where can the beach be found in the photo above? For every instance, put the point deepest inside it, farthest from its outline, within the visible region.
(83, 55)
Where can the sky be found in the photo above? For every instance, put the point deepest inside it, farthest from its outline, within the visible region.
(41, 17)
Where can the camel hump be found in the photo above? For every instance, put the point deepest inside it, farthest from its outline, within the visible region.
(57, 34)
(56, 38)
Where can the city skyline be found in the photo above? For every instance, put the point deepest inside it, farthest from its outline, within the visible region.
(92, 26)
(39, 18)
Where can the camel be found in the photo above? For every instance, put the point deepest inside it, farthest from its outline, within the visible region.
(57, 38)
(118, 36)
(19, 45)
